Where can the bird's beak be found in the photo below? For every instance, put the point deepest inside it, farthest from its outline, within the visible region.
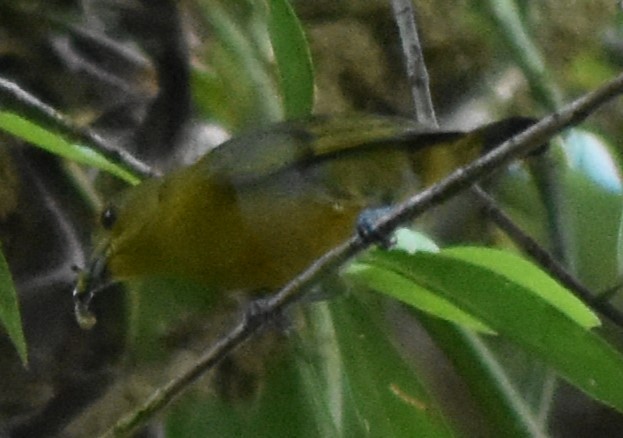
(90, 281)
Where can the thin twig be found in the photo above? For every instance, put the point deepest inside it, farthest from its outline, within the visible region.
(458, 180)
(414, 60)
(12, 93)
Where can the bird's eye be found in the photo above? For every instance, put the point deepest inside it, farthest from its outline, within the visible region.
(108, 218)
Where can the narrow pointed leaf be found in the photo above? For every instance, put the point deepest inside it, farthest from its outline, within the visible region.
(9, 311)
(293, 59)
(524, 273)
(56, 144)
(387, 395)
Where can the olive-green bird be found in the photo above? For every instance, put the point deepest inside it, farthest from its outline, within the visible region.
(255, 211)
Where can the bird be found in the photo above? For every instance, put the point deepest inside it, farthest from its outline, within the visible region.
(257, 209)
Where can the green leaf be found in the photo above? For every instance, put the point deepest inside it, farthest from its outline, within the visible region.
(406, 290)
(383, 395)
(507, 294)
(497, 394)
(51, 142)
(240, 50)
(592, 211)
(528, 275)
(293, 59)
(9, 311)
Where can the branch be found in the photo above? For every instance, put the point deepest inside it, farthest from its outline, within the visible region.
(414, 60)
(460, 179)
(49, 117)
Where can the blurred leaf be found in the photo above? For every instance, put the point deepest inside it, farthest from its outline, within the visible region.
(506, 412)
(411, 241)
(210, 94)
(282, 409)
(9, 311)
(521, 48)
(293, 58)
(592, 208)
(383, 395)
(505, 292)
(51, 142)
(592, 212)
(163, 310)
(589, 70)
(321, 370)
(589, 154)
(239, 89)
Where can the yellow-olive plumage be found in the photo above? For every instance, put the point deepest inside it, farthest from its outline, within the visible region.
(255, 211)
